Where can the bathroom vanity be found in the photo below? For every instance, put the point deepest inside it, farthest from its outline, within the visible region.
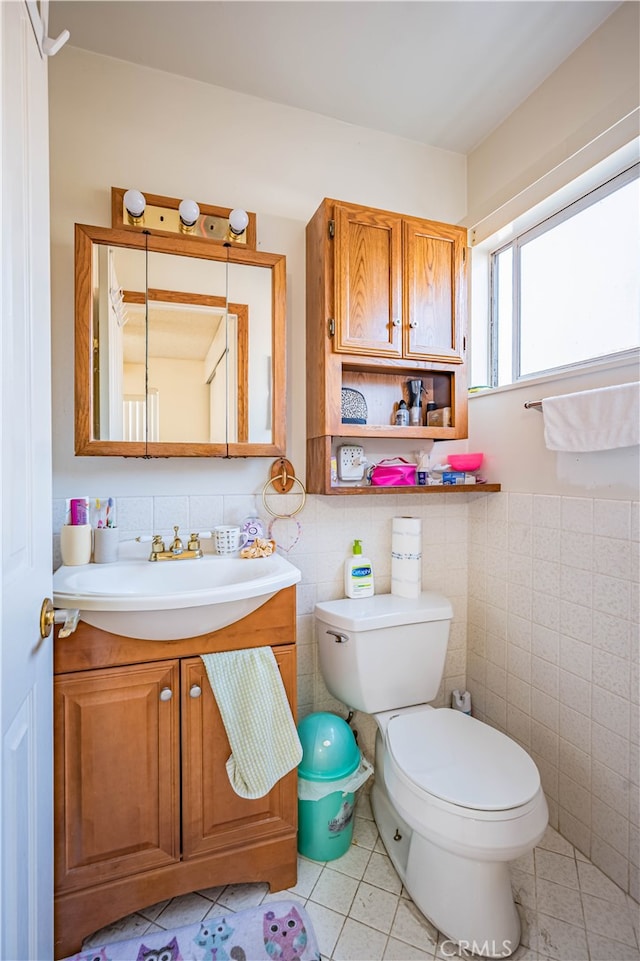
(144, 810)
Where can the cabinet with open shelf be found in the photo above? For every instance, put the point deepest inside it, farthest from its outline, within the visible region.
(386, 304)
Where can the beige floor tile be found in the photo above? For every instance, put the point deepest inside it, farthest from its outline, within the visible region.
(381, 872)
(557, 939)
(132, 926)
(334, 890)
(411, 926)
(308, 874)
(237, 897)
(401, 951)
(374, 907)
(552, 841)
(605, 949)
(556, 867)
(608, 919)
(559, 901)
(353, 863)
(593, 881)
(365, 833)
(357, 942)
(184, 910)
(327, 924)
(524, 888)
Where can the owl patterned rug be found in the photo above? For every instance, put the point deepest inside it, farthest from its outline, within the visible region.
(276, 931)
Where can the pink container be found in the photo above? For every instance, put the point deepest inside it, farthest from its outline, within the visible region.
(467, 462)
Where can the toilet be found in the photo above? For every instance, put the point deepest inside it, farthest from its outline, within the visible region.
(454, 799)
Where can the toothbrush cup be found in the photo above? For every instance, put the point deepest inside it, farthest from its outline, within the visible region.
(105, 545)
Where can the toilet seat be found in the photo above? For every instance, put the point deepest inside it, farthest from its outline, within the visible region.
(457, 759)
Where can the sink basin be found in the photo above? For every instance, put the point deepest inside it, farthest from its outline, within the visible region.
(169, 600)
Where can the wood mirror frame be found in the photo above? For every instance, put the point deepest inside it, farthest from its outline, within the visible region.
(86, 443)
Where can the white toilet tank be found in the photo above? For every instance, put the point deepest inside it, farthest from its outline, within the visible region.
(383, 652)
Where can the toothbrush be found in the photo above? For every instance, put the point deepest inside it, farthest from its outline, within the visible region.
(109, 506)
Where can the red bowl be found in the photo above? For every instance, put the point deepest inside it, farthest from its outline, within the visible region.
(466, 462)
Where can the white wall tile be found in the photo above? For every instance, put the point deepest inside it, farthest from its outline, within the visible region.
(612, 518)
(611, 595)
(547, 511)
(576, 549)
(577, 514)
(575, 656)
(610, 710)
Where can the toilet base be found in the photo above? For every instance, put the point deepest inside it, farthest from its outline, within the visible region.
(468, 901)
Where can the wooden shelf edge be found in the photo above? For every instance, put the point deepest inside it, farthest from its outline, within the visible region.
(435, 489)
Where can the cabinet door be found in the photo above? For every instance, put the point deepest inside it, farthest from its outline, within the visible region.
(214, 817)
(368, 283)
(117, 796)
(434, 291)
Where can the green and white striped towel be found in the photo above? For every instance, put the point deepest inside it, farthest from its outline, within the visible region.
(257, 718)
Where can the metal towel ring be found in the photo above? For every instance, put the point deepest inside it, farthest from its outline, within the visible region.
(282, 473)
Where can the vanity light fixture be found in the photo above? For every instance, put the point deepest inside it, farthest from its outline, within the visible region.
(132, 209)
(238, 221)
(134, 203)
(189, 213)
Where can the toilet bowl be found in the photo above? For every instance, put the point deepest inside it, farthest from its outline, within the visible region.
(454, 799)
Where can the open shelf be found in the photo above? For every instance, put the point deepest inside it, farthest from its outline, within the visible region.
(434, 489)
(319, 477)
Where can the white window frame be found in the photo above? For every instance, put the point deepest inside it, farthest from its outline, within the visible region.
(516, 244)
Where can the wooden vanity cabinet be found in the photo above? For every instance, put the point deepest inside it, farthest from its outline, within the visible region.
(144, 810)
(386, 303)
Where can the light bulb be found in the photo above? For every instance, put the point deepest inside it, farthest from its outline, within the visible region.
(238, 220)
(189, 213)
(134, 203)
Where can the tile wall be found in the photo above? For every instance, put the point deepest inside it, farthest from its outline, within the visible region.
(553, 658)
(545, 590)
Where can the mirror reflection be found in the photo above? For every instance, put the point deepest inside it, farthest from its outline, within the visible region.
(184, 347)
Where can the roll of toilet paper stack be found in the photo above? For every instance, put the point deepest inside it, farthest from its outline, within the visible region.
(406, 556)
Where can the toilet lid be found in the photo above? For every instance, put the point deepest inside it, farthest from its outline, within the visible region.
(461, 760)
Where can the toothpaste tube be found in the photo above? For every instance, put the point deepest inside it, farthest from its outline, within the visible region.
(79, 511)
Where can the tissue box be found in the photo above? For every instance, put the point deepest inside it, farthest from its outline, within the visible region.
(457, 477)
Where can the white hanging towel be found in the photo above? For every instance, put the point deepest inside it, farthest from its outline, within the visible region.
(600, 419)
(257, 718)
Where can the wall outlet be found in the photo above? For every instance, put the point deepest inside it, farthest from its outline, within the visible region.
(351, 462)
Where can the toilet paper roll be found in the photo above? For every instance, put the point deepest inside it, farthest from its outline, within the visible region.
(75, 544)
(406, 556)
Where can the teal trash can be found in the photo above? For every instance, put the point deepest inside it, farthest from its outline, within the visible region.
(330, 757)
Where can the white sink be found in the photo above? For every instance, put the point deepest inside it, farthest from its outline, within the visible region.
(169, 600)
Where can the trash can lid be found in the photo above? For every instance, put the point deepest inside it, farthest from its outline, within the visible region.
(329, 749)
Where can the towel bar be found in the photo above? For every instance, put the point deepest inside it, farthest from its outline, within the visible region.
(533, 405)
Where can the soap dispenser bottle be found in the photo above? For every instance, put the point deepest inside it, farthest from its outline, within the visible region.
(358, 574)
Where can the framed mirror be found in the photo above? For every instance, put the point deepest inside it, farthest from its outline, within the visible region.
(179, 347)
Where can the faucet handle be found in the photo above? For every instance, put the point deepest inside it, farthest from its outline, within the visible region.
(194, 543)
(157, 545)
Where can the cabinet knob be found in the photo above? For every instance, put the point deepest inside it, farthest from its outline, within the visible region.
(396, 321)
(166, 694)
(413, 323)
(195, 691)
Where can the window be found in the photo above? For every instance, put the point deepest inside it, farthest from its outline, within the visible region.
(567, 291)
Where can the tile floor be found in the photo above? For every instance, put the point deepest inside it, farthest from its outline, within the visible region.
(360, 911)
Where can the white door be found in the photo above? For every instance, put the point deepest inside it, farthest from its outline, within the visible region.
(26, 798)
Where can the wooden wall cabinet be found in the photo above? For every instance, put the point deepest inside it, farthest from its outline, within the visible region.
(386, 303)
(144, 810)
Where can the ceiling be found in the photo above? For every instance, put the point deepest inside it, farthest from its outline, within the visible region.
(440, 72)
